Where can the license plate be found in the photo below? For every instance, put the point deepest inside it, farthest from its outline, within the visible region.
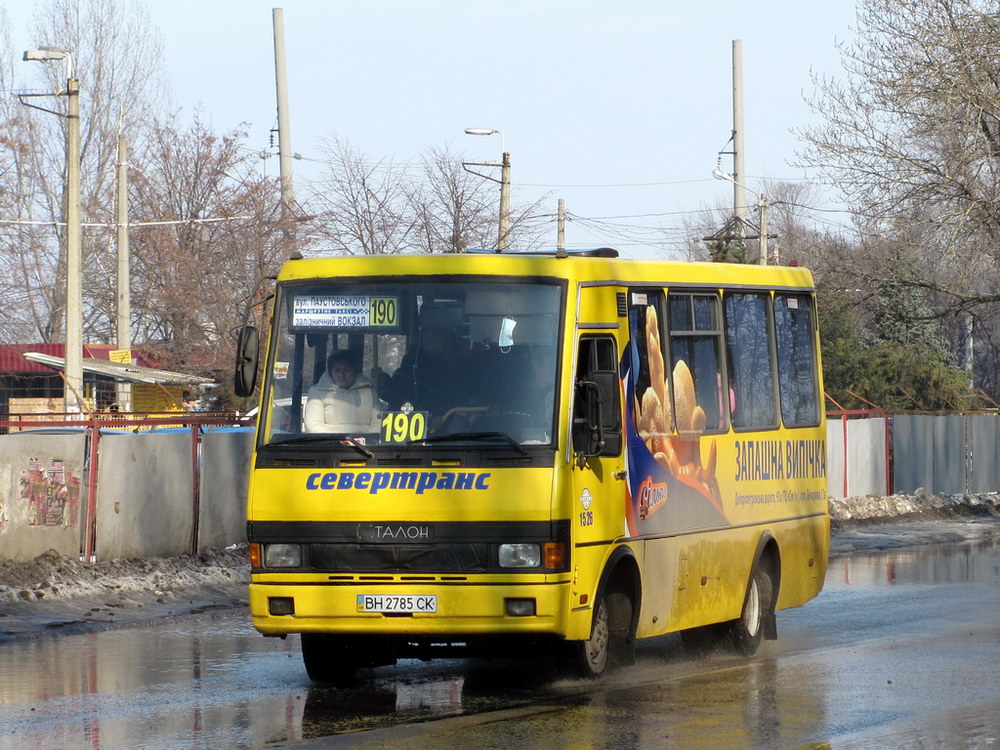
(405, 604)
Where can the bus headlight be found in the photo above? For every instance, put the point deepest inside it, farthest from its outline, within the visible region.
(520, 555)
(282, 556)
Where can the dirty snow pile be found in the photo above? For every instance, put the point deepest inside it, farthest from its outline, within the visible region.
(53, 577)
(920, 506)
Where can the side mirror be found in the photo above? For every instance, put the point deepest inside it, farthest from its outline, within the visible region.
(597, 421)
(609, 413)
(588, 437)
(247, 358)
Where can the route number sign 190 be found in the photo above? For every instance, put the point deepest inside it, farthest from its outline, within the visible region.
(404, 427)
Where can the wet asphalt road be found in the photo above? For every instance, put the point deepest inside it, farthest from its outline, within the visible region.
(902, 649)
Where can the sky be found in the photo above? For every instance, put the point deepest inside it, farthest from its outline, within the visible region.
(620, 108)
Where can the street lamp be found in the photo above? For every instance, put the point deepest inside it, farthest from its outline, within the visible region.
(73, 400)
(503, 239)
(761, 204)
(48, 54)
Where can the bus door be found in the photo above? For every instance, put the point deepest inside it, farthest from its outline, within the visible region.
(598, 487)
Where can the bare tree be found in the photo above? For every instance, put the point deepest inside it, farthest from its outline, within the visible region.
(23, 251)
(912, 139)
(116, 56)
(455, 209)
(366, 207)
(212, 234)
(363, 206)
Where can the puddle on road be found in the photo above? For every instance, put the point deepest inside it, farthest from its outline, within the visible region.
(935, 564)
(215, 682)
(202, 683)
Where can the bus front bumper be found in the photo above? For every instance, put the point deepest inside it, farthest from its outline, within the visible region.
(280, 608)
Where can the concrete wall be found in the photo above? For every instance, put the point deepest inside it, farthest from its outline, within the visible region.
(144, 497)
(224, 475)
(42, 494)
(145, 502)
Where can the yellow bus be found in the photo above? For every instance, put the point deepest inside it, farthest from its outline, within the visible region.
(564, 451)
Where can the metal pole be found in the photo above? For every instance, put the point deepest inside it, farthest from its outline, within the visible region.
(503, 241)
(739, 196)
(73, 394)
(284, 129)
(762, 203)
(969, 360)
(195, 490)
(843, 422)
(561, 227)
(124, 300)
(90, 529)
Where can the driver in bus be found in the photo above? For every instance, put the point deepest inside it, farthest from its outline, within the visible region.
(342, 401)
(434, 377)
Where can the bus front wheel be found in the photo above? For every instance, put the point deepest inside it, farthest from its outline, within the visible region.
(328, 660)
(611, 640)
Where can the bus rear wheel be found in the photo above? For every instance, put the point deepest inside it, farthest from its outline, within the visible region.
(746, 633)
(611, 641)
(328, 660)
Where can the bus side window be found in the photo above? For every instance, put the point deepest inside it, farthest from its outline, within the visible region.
(695, 357)
(597, 369)
(750, 358)
(653, 407)
(795, 334)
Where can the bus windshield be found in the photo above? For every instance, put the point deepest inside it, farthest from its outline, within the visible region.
(391, 362)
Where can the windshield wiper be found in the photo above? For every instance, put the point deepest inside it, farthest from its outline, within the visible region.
(459, 436)
(324, 437)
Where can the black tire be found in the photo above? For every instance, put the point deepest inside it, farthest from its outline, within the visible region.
(328, 660)
(746, 633)
(622, 640)
(611, 641)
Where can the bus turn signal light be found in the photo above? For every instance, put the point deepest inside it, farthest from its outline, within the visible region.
(554, 555)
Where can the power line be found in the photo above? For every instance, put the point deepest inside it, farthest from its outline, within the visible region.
(611, 185)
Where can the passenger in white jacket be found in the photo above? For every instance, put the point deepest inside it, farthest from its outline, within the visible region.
(342, 401)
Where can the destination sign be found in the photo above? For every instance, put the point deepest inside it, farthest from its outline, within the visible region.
(344, 311)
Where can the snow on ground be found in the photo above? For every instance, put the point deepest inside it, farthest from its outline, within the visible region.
(51, 577)
(874, 523)
(54, 594)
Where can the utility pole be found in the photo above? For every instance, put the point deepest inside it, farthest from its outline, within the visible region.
(73, 396)
(561, 227)
(284, 130)
(503, 234)
(124, 300)
(762, 202)
(503, 241)
(738, 175)
(739, 196)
